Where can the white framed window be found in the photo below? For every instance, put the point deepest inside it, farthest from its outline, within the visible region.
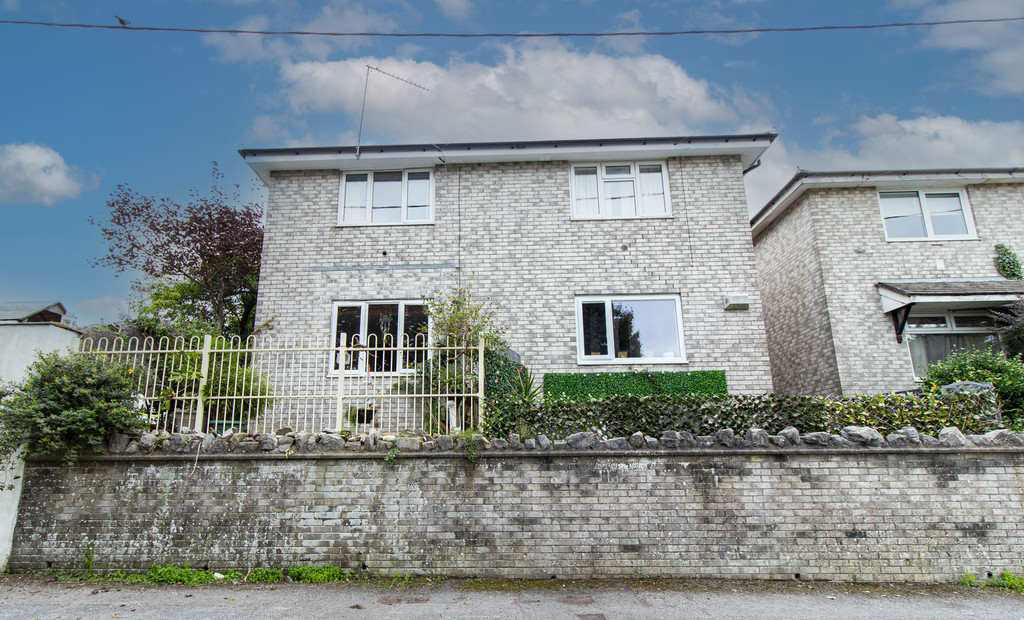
(922, 215)
(619, 190)
(386, 336)
(382, 197)
(640, 329)
(934, 335)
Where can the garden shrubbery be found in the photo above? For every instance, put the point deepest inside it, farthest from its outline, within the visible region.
(574, 386)
(986, 366)
(703, 414)
(68, 405)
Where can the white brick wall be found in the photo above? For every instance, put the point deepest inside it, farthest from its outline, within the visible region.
(843, 228)
(510, 226)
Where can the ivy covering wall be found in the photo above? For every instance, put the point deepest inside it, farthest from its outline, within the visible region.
(574, 386)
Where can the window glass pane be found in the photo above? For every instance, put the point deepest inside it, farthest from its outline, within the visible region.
(652, 191)
(415, 335)
(595, 329)
(947, 214)
(646, 328)
(348, 324)
(902, 214)
(387, 197)
(927, 322)
(419, 189)
(355, 198)
(625, 170)
(974, 321)
(620, 198)
(381, 333)
(418, 213)
(927, 349)
(585, 191)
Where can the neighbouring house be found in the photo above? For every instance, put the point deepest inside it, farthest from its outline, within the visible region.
(868, 277)
(30, 327)
(598, 255)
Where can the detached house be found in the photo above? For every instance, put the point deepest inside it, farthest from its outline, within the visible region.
(599, 255)
(868, 277)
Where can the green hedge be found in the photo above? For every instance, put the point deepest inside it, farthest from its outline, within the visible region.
(620, 416)
(576, 386)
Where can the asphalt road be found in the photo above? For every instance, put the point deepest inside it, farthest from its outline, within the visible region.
(34, 597)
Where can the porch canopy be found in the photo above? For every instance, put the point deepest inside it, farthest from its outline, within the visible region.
(899, 296)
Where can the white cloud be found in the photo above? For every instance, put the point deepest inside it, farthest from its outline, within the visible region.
(99, 310)
(533, 91)
(997, 47)
(336, 16)
(36, 174)
(627, 22)
(886, 142)
(458, 10)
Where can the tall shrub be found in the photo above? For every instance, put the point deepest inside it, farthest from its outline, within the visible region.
(67, 405)
(984, 365)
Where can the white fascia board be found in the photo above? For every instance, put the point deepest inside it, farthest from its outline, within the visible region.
(881, 181)
(748, 151)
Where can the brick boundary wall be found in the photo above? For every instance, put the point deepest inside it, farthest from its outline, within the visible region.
(865, 514)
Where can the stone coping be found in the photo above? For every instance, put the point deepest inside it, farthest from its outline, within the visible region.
(328, 445)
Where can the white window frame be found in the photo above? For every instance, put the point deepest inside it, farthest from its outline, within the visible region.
(405, 221)
(923, 201)
(588, 360)
(364, 316)
(950, 328)
(634, 176)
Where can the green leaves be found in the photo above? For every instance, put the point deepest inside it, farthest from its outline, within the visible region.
(985, 365)
(67, 405)
(597, 384)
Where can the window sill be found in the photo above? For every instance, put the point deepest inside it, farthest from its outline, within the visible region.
(631, 361)
(576, 218)
(368, 225)
(931, 239)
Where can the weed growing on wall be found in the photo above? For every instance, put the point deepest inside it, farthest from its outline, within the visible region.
(68, 405)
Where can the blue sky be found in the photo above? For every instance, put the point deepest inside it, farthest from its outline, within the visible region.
(86, 110)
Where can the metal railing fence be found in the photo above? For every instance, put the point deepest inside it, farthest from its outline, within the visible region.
(265, 384)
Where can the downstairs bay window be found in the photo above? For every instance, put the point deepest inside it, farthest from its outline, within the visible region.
(933, 336)
(629, 329)
(386, 336)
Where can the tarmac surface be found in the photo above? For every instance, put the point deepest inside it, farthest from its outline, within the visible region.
(26, 597)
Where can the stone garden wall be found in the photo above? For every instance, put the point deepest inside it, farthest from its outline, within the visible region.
(854, 506)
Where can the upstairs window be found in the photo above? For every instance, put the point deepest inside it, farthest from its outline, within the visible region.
(631, 329)
(619, 190)
(386, 197)
(912, 215)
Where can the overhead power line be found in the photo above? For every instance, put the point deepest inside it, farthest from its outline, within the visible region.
(515, 35)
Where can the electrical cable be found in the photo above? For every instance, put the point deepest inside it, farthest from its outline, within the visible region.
(518, 35)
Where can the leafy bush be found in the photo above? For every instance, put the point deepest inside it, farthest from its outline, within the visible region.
(234, 392)
(317, 574)
(501, 377)
(68, 404)
(984, 365)
(617, 416)
(574, 386)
